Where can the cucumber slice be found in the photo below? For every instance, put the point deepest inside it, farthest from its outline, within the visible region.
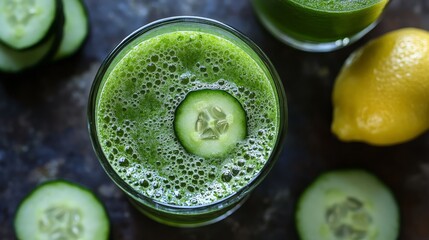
(209, 123)
(61, 210)
(347, 205)
(76, 28)
(13, 61)
(25, 23)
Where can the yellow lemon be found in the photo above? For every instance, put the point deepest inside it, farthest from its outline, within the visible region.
(381, 95)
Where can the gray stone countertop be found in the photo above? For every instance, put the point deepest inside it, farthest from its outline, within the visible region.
(43, 132)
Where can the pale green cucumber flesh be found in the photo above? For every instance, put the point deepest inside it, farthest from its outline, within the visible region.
(209, 123)
(26, 23)
(347, 205)
(76, 28)
(13, 61)
(61, 210)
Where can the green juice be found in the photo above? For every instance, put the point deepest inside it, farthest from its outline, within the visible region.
(334, 22)
(135, 111)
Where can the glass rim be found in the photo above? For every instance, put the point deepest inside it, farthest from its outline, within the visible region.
(127, 188)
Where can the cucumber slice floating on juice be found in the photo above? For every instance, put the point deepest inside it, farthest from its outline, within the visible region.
(25, 23)
(61, 210)
(347, 205)
(76, 28)
(209, 123)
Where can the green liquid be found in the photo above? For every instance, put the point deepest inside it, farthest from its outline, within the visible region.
(135, 114)
(336, 5)
(319, 20)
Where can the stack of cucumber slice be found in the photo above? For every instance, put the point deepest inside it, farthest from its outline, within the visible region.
(33, 32)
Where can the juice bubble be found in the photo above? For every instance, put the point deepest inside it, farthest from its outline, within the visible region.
(122, 161)
(151, 67)
(226, 176)
(129, 149)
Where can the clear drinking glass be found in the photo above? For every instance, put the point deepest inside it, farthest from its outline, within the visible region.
(170, 214)
(319, 26)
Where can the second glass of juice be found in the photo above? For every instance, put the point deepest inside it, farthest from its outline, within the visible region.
(316, 25)
(187, 116)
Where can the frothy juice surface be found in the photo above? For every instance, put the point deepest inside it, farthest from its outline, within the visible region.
(319, 20)
(336, 5)
(136, 110)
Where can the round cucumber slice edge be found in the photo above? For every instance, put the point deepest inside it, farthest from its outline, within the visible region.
(348, 204)
(209, 123)
(58, 209)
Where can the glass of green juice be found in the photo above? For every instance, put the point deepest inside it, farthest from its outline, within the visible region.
(319, 25)
(187, 116)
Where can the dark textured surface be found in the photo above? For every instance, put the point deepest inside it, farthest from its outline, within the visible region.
(43, 131)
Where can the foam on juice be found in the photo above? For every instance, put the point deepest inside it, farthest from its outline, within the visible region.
(337, 5)
(136, 112)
